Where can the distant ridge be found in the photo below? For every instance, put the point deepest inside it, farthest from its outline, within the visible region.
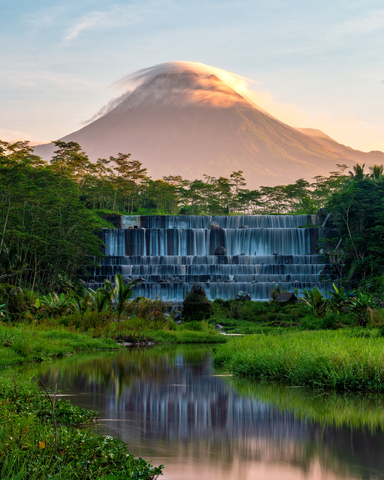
(185, 120)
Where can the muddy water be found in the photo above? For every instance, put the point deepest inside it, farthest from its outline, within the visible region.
(175, 409)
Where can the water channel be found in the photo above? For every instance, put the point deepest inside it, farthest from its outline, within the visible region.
(174, 408)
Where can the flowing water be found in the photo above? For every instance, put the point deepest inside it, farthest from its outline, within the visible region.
(175, 409)
(167, 254)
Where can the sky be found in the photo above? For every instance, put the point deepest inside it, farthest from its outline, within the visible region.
(309, 63)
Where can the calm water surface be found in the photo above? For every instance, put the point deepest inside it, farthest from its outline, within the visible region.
(174, 408)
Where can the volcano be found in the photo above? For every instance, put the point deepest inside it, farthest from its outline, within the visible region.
(186, 119)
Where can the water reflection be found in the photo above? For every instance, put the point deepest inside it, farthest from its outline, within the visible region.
(173, 408)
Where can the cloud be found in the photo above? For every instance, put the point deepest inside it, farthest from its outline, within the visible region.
(88, 22)
(114, 16)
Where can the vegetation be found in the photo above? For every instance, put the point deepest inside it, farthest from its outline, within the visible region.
(21, 344)
(196, 305)
(41, 439)
(340, 360)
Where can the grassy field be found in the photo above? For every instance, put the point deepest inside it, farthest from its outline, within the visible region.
(33, 448)
(341, 360)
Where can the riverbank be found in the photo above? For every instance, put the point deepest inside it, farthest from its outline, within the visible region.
(340, 360)
(34, 343)
(37, 445)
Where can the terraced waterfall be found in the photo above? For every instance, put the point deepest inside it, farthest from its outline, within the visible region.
(168, 254)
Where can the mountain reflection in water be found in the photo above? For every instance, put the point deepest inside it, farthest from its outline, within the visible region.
(173, 408)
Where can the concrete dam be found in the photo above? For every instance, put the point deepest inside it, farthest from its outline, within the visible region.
(226, 254)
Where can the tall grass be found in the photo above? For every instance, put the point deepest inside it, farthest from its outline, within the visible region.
(325, 359)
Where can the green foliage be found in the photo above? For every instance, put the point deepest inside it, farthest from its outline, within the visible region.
(317, 359)
(315, 301)
(46, 231)
(358, 215)
(196, 305)
(28, 448)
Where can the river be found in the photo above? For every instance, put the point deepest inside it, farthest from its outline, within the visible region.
(175, 409)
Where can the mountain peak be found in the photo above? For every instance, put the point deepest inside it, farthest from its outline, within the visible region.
(181, 89)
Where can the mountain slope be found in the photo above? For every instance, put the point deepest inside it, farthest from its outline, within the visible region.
(191, 123)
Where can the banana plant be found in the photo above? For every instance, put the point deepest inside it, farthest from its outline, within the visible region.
(54, 303)
(339, 301)
(362, 305)
(315, 301)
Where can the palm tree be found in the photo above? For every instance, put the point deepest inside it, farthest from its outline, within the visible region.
(358, 172)
(122, 293)
(377, 173)
(101, 299)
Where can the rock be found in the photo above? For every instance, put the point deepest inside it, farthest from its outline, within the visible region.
(214, 226)
(218, 326)
(244, 226)
(178, 318)
(243, 296)
(220, 251)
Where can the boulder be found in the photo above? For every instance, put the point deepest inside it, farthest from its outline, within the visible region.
(220, 251)
(243, 296)
(214, 226)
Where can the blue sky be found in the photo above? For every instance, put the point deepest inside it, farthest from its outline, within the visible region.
(312, 64)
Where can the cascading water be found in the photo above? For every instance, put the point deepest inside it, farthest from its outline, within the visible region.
(167, 254)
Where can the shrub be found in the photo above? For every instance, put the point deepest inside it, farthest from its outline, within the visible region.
(196, 305)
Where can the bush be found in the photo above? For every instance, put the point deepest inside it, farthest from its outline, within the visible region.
(196, 305)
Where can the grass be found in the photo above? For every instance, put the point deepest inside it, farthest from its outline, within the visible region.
(37, 342)
(24, 343)
(28, 448)
(340, 360)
